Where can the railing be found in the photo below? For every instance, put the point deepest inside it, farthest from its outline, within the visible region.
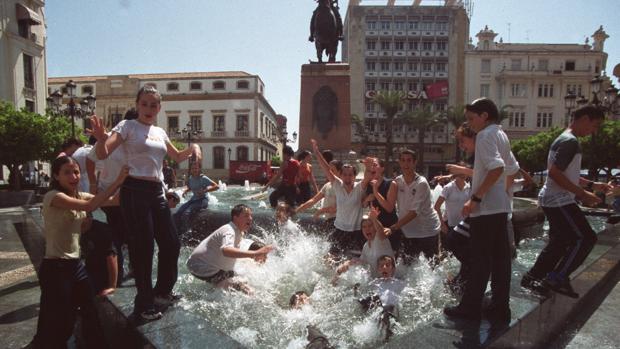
(242, 133)
(218, 133)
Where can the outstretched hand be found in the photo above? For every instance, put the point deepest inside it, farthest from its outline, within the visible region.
(98, 128)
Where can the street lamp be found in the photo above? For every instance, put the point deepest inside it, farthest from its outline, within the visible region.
(86, 105)
(188, 132)
(229, 151)
(569, 104)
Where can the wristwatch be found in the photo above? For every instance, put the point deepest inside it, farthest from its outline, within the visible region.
(474, 198)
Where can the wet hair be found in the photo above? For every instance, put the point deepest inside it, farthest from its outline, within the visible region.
(288, 150)
(591, 111)
(148, 89)
(328, 155)
(465, 131)
(57, 164)
(255, 246)
(237, 210)
(302, 155)
(484, 105)
(349, 166)
(337, 164)
(386, 257)
(413, 154)
(293, 299)
(71, 142)
(286, 207)
(131, 114)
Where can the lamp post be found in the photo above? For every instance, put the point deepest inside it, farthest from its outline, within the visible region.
(229, 151)
(86, 105)
(188, 132)
(569, 104)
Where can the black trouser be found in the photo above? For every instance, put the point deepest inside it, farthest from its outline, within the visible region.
(65, 290)
(412, 247)
(458, 244)
(490, 253)
(288, 191)
(570, 241)
(147, 216)
(114, 217)
(305, 192)
(343, 241)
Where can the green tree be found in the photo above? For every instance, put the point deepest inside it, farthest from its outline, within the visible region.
(422, 118)
(391, 102)
(180, 146)
(455, 116)
(532, 152)
(27, 136)
(602, 150)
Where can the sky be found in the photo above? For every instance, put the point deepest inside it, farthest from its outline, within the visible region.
(268, 38)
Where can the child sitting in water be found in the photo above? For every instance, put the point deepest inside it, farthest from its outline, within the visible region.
(283, 213)
(386, 290)
(316, 338)
(377, 244)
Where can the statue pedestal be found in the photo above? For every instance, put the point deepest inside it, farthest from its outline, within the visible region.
(325, 112)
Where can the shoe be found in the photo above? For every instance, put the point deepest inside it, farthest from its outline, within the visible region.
(460, 312)
(151, 314)
(562, 287)
(168, 299)
(533, 284)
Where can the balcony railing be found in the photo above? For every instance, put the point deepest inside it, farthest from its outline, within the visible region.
(242, 133)
(218, 133)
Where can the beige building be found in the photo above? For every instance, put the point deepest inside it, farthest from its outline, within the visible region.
(229, 108)
(532, 79)
(406, 48)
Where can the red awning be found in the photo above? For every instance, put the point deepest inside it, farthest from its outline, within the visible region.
(24, 13)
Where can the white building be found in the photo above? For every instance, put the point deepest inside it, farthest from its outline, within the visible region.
(406, 48)
(230, 108)
(23, 72)
(532, 78)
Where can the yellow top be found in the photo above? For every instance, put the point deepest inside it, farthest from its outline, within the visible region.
(62, 228)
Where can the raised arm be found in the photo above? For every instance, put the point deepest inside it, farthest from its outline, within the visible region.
(306, 205)
(388, 203)
(182, 155)
(322, 162)
(437, 207)
(105, 144)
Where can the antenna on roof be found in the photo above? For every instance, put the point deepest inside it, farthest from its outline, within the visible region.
(508, 31)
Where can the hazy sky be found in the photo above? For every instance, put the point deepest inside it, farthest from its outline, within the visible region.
(269, 37)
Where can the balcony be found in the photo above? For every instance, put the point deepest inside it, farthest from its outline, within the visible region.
(242, 133)
(218, 134)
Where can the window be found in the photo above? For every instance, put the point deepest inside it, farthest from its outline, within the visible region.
(413, 25)
(398, 86)
(427, 46)
(518, 90)
(484, 90)
(30, 107)
(196, 121)
(370, 107)
(399, 25)
(441, 45)
(371, 66)
(385, 45)
(219, 85)
(545, 90)
(29, 71)
(371, 25)
(173, 125)
(413, 86)
(370, 124)
(426, 26)
(219, 123)
(87, 90)
(440, 67)
(385, 25)
(413, 66)
(399, 66)
(152, 84)
(195, 85)
(242, 153)
(370, 85)
(172, 86)
(569, 66)
(427, 67)
(515, 64)
(574, 89)
(485, 66)
(442, 26)
(399, 45)
(371, 45)
(219, 157)
(243, 85)
(413, 45)
(23, 28)
(516, 118)
(242, 123)
(385, 66)
(543, 64)
(385, 86)
(544, 119)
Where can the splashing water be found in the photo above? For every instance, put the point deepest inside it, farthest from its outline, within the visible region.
(265, 320)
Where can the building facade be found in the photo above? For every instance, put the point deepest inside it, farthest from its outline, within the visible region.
(531, 80)
(229, 110)
(406, 48)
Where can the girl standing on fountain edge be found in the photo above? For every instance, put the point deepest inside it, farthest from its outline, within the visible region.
(143, 202)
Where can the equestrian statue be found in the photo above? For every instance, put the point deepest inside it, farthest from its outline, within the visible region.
(326, 29)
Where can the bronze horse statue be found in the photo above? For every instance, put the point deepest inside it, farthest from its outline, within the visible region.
(326, 29)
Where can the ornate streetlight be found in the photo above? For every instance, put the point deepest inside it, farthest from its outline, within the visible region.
(188, 132)
(569, 103)
(86, 105)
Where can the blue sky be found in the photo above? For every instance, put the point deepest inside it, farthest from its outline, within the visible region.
(268, 38)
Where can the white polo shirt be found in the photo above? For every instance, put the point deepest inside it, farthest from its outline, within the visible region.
(207, 258)
(454, 198)
(416, 196)
(348, 206)
(144, 146)
(109, 167)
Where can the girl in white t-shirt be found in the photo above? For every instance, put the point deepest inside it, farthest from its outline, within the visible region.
(143, 202)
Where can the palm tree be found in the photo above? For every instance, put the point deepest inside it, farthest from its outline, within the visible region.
(455, 116)
(360, 130)
(390, 102)
(421, 119)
